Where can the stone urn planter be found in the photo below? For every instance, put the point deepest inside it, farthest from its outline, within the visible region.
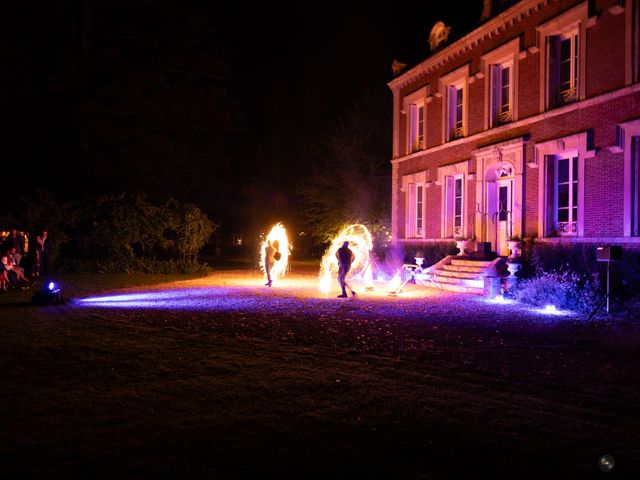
(464, 247)
(419, 261)
(513, 268)
(515, 256)
(515, 250)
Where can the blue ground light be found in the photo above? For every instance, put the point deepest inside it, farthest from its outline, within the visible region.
(176, 299)
(420, 304)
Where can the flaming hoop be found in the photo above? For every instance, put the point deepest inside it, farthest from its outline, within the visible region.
(360, 243)
(279, 269)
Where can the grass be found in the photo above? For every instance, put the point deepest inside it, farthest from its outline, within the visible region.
(325, 390)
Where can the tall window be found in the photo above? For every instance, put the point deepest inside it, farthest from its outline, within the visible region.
(455, 120)
(566, 174)
(564, 53)
(453, 87)
(457, 209)
(416, 127)
(635, 186)
(414, 107)
(415, 211)
(501, 93)
(419, 210)
(453, 211)
(504, 208)
(635, 39)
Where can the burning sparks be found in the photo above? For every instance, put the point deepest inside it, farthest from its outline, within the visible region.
(395, 284)
(279, 234)
(360, 243)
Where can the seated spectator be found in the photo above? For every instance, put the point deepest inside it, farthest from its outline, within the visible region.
(14, 241)
(14, 273)
(4, 280)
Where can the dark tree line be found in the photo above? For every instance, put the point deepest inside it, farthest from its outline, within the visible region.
(352, 182)
(116, 232)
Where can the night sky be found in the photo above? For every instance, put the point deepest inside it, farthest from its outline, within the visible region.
(221, 106)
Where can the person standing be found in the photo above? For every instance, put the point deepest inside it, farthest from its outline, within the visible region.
(269, 261)
(37, 257)
(345, 258)
(45, 253)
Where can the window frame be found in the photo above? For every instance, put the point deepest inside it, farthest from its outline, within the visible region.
(573, 177)
(453, 82)
(455, 214)
(507, 54)
(446, 180)
(412, 104)
(572, 20)
(411, 185)
(627, 131)
(546, 153)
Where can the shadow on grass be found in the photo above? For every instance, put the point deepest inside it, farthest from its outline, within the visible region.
(18, 304)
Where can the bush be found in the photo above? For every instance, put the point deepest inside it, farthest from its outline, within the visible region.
(539, 258)
(135, 265)
(575, 257)
(565, 289)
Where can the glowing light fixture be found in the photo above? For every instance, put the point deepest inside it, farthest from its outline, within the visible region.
(552, 310)
(51, 294)
(501, 300)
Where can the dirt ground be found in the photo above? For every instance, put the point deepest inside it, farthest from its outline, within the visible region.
(222, 377)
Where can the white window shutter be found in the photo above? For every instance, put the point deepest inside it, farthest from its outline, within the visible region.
(411, 211)
(495, 79)
(450, 206)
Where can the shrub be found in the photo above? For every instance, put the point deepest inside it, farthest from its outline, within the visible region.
(563, 288)
(546, 257)
(135, 265)
(539, 258)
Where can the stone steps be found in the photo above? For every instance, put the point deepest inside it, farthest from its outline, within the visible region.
(471, 263)
(458, 273)
(462, 275)
(460, 287)
(464, 268)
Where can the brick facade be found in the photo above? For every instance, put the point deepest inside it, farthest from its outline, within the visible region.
(607, 99)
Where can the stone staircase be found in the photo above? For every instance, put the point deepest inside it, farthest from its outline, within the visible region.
(462, 274)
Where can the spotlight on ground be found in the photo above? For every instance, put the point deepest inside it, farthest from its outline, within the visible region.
(51, 294)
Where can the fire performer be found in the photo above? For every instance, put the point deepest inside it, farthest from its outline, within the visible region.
(345, 258)
(269, 260)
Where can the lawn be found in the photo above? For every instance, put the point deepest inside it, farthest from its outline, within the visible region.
(221, 377)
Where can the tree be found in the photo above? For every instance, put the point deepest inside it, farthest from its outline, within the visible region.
(353, 180)
(191, 226)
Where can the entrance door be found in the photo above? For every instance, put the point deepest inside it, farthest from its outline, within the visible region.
(504, 215)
